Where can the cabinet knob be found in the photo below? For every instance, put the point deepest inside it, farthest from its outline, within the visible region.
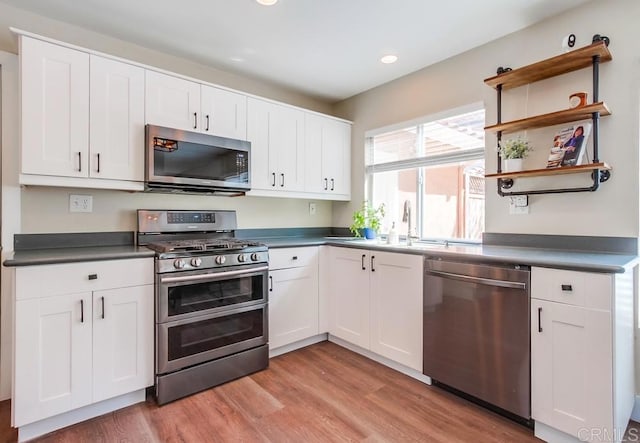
(93, 276)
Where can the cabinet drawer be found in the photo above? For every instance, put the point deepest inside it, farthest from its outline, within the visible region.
(293, 257)
(585, 289)
(68, 278)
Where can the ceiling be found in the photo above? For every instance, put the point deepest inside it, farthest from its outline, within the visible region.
(329, 49)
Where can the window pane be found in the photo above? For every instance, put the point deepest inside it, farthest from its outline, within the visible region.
(393, 146)
(453, 201)
(392, 189)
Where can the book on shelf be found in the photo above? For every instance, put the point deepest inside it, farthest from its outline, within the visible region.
(569, 145)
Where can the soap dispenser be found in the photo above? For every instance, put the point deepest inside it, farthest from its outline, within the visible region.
(392, 237)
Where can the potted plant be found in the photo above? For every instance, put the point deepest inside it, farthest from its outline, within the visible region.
(512, 152)
(367, 220)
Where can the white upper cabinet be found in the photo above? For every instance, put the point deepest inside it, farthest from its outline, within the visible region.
(327, 156)
(172, 102)
(116, 132)
(276, 133)
(224, 113)
(55, 109)
(177, 103)
(82, 118)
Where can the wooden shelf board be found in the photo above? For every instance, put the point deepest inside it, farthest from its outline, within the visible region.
(560, 64)
(550, 171)
(554, 118)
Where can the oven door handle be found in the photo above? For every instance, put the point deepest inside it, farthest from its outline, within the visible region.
(210, 275)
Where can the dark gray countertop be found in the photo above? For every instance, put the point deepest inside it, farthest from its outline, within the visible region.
(574, 260)
(561, 259)
(79, 254)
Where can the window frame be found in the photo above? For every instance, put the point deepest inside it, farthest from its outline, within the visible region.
(420, 163)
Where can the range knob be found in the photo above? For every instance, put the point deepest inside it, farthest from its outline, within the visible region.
(221, 259)
(196, 262)
(242, 258)
(254, 256)
(179, 263)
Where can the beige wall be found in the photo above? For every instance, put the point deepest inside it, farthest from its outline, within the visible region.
(46, 209)
(611, 211)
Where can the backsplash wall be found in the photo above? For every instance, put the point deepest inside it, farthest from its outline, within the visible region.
(47, 210)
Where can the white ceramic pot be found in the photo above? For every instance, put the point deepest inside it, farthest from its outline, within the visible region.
(512, 165)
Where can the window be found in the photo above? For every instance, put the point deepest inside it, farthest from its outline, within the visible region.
(437, 164)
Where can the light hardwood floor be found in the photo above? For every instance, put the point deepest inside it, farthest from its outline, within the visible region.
(322, 393)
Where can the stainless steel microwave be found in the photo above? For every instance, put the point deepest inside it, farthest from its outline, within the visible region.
(184, 161)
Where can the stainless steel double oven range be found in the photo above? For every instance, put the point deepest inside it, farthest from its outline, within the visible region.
(211, 300)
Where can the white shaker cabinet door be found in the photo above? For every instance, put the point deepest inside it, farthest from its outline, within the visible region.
(571, 369)
(55, 109)
(293, 305)
(122, 341)
(172, 102)
(224, 113)
(396, 307)
(53, 356)
(349, 295)
(286, 133)
(117, 120)
(336, 156)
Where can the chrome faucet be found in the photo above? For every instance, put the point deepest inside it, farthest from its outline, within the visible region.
(406, 217)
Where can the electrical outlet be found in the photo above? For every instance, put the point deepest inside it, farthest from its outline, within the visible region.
(80, 203)
(519, 204)
(312, 209)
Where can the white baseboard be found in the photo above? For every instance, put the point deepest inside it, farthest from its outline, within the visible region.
(382, 360)
(297, 345)
(33, 430)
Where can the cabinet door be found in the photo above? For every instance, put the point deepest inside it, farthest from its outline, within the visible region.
(571, 375)
(336, 156)
(55, 109)
(349, 295)
(286, 134)
(396, 307)
(224, 113)
(293, 305)
(116, 120)
(315, 177)
(122, 341)
(258, 118)
(52, 367)
(172, 102)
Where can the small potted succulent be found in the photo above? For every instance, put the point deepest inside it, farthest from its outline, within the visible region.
(512, 152)
(367, 220)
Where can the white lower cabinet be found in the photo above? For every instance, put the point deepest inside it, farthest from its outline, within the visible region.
(581, 354)
(79, 348)
(375, 302)
(293, 295)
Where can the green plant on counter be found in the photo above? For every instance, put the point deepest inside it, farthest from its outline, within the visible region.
(367, 217)
(514, 148)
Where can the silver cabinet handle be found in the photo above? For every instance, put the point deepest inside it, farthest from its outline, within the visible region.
(333, 182)
(282, 180)
(270, 283)
(207, 128)
(373, 268)
(326, 184)
(274, 179)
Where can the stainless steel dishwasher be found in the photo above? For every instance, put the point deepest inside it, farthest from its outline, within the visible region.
(476, 332)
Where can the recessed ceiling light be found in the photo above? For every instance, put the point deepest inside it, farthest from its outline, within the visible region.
(267, 2)
(389, 59)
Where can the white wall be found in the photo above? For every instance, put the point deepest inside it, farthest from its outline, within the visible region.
(611, 211)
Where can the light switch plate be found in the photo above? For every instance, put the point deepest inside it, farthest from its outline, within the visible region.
(519, 205)
(80, 203)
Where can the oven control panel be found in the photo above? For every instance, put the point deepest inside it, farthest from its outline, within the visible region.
(236, 258)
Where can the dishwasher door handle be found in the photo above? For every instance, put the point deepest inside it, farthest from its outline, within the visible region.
(479, 280)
